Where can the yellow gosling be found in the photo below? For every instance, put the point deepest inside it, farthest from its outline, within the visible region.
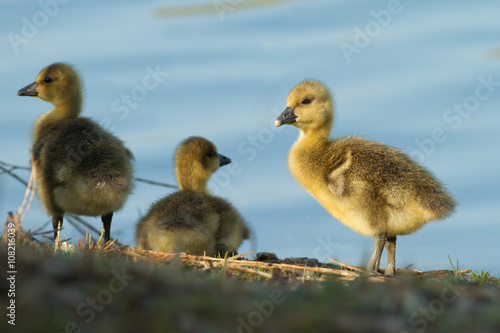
(81, 168)
(374, 189)
(192, 220)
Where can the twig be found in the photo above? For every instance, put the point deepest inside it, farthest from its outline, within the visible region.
(41, 232)
(10, 219)
(152, 182)
(10, 173)
(288, 266)
(354, 268)
(85, 223)
(8, 168)
(209, 264)
(76, 226)
(38, 231)
(110, 243)
(240, 255)
(31, 188)
(279, 265)
(88, 225)
(29, 195)
(132, 253)
(14, 167)
(253, 271)
(205, 261)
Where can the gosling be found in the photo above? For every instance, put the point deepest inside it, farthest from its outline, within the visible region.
(80, 167)
(373, 189)
(192, 220)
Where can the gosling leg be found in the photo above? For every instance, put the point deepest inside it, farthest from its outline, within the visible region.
(56, 220)
(390, 246)
(221, 250)
(106, 224)
(378, 247)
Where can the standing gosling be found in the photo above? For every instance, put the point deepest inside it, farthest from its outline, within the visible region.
(192, 220)
(80, 167)
(374, 189)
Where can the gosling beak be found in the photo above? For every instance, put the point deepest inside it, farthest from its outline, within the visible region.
(286, 117)
(29, 90)
(223, 160)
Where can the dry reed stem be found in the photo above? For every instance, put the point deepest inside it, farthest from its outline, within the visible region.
(31, 186)
(240, 255)
(252, 267)
(230, 265)
(354, 268)
(343, 275)
(10, 219)
(270, 266)
(263, 264)
(252, 271)
(256, 267)
(131, 253)
(10, 173)
(210, 266)
(110, 243)
(22, 211)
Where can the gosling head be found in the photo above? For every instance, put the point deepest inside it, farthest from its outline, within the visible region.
(309, 107)
(196, 160)
(58, 84)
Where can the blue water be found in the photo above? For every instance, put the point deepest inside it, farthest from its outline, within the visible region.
(410, 74)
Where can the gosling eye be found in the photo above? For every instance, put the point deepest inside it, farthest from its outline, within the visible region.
(306, 101)
(48, 80)
(211, 154)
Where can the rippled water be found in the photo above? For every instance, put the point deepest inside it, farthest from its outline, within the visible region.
(411, 74)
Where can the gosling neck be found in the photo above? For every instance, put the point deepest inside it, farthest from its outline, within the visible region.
(312, 135)
(68, 109)
(191, 180)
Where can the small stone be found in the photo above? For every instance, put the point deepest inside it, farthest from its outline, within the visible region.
(65, 247)
(311, 262)
(266, 256)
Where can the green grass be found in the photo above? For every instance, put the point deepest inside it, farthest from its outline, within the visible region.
(483, 277)
(456, 269)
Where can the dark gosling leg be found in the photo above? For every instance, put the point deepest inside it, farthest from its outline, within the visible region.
(378, 247)
(221, 250)
(106, 223)
(390, 246)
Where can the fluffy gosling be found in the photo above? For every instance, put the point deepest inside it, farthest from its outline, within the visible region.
(374, 189)
(80, 167)
(192, 220)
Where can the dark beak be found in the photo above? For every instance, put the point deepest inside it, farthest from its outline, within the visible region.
(286, 117)
(223, 160)
(29, 90)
